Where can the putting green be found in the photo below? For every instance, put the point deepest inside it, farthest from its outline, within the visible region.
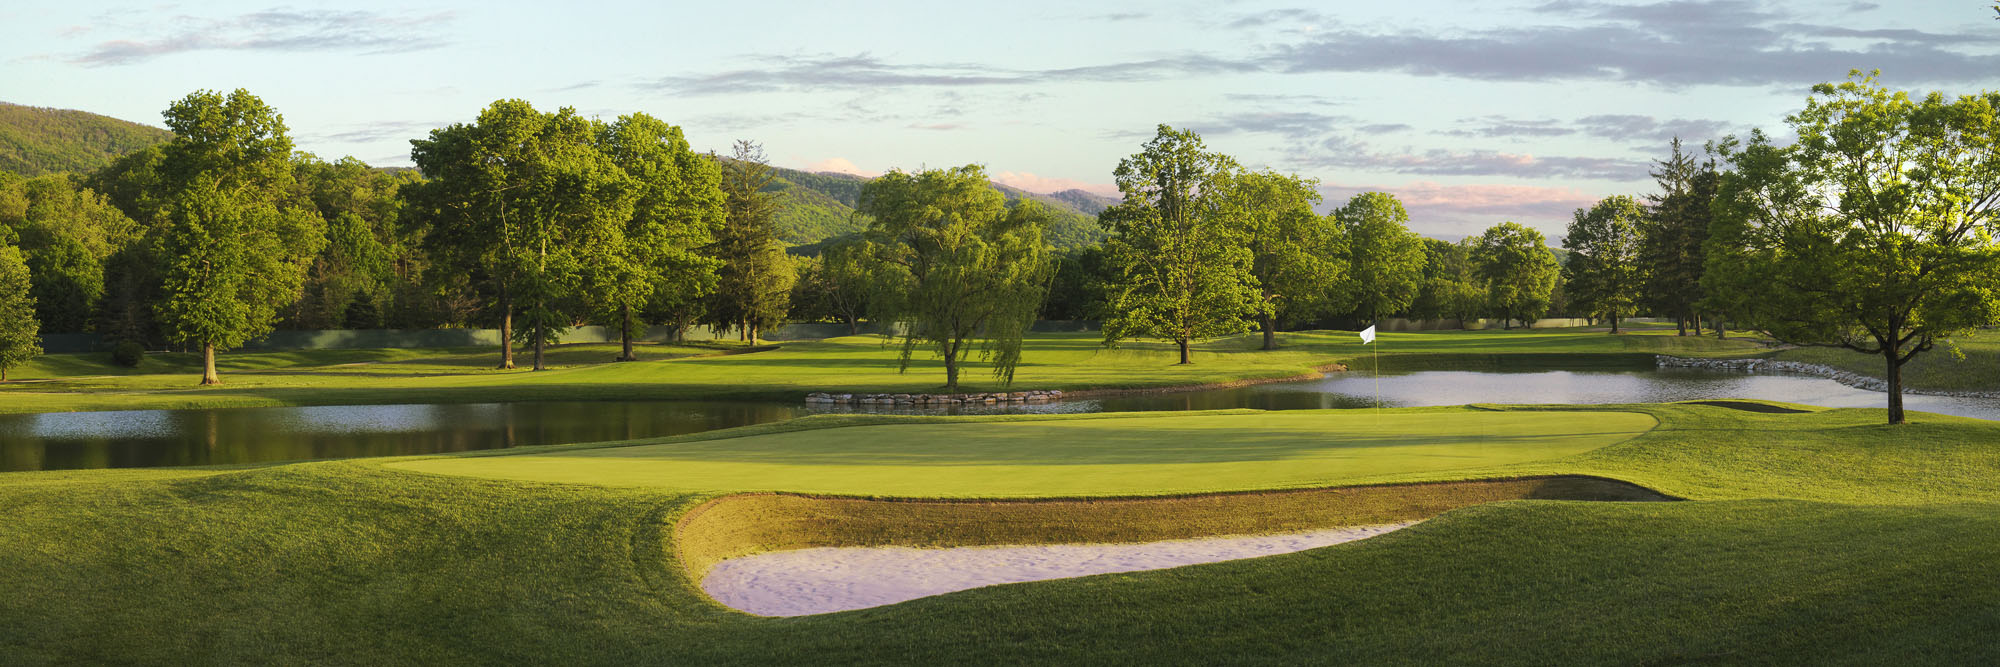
(1078, 455)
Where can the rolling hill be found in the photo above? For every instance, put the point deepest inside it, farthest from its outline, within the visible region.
(37, 140)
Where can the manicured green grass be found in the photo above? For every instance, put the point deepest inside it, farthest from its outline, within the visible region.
(1079, 455)
(1818, 537)
(857, 363)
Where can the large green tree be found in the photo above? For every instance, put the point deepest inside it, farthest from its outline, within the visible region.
(19, 334)
(753, 287)
(1386, 258)
(518, 203)
(839, 284)
(1183, 265)
(678, 208)
(963, 269)
(1297, 257)
(1874, 231)
(1604, 272)
(1519, 272)
(234, 244)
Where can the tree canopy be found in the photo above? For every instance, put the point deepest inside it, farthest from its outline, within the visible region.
(1297, 257)
(1604, 272)
(234, 244)
(19, 333)
(1182, 264)
(1519, 272)
(1874, 231)
(1386, 258)
(960, 266)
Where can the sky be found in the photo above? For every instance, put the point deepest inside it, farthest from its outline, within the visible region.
(1473, 113)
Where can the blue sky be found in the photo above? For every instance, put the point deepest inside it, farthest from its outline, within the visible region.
(1473, 112)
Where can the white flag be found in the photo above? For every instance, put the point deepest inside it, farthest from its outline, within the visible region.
(1368, 335)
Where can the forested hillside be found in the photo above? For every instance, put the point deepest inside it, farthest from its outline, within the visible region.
(816, 206)
(36, 141)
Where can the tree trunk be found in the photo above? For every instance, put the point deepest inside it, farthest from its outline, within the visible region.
(951, 369)
(625, 333)
(1270, 332)
(753, 334)
(1614, 321)
(1184, 350)
(208, 376)
(1890, 352)
(1697, 323)
(1721, 330)
(506, 330)
(1680, 326)
(539, 337)
(1507, 324)
(853, 325)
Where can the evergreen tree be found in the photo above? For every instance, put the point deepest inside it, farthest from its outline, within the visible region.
(753, 286)
(1673, 235)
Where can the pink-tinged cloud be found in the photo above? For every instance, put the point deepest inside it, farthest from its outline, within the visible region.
(1022, 180)
(1436, 208)
(841, 165)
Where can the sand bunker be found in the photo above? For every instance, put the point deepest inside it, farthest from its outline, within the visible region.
(829, 579)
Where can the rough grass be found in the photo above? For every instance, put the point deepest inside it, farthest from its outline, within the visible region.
(1816, 538)
(856, 363)
(1975, 368)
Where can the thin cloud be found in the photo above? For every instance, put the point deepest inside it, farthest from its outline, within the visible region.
(865, 71)
(277, 30)
(1343, 151)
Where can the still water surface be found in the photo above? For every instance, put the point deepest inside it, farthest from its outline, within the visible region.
(149, 438)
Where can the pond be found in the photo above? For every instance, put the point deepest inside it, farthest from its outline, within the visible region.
(150, 438)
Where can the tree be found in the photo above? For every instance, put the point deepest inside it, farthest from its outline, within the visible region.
(1518, 270)
(19, 332)
(678, 209)
(1450, 288)
(1673, 235)
(66, 232)
(1604, 257)
(962, 267)
(753, 287)
(1874, 232)
(368, 263)
(1387, 259)
(1182, 266)
(234, 246)
(1079, 288)
(1296, 256)
(517, 203)
(838, 284)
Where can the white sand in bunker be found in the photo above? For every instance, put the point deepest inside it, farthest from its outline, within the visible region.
(822, 580)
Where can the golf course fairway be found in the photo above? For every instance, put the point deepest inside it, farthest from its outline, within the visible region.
(1808, 537)
(1077, 455)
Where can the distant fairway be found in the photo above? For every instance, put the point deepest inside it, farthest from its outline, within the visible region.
(1079, 455)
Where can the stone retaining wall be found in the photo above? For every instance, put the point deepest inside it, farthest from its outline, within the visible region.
(1848, 378)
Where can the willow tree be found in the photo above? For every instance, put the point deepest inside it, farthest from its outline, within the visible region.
(1297, 257)
(1873, 232)
(234, 244)
(962, 269)
(678, 208)
(1182, 265)
(1604, 269)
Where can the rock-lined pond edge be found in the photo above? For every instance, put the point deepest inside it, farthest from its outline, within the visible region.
(1849, 378)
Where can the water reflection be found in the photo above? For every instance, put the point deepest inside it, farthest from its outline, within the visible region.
(147, 438)
(150, 438)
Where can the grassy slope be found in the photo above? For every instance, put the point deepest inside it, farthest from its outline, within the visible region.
(1977, 370)
(1817, 538)
(860, 363)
